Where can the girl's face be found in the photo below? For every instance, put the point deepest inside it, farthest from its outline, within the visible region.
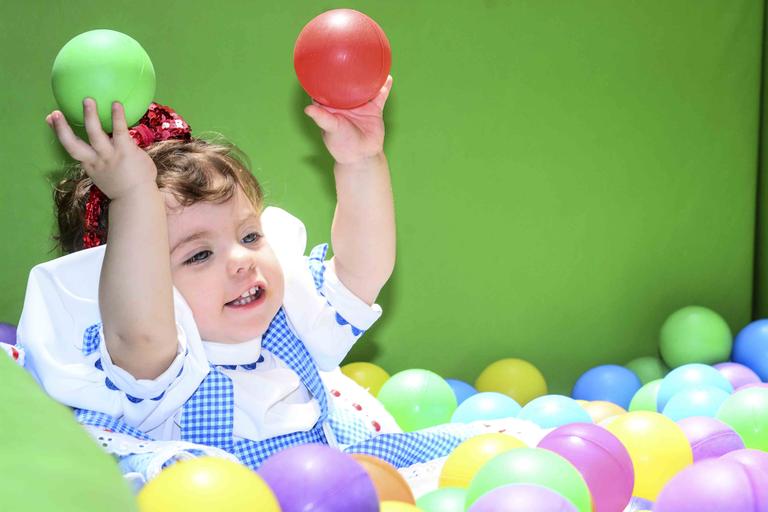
(224, 268)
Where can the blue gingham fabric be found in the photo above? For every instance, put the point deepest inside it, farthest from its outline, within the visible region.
(317, 265)
(91, 339)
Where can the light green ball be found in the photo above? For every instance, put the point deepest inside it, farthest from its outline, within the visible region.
(107, 66)
(647, 368)
(531, 466)
(746, 412)
(447, 499)
(418, 399)
(695, 334)
(645, 397)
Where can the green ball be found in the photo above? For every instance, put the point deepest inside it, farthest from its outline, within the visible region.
(645, 397)
(447, 499)
(746, 411)
(107, 66)
(418, 399)
(695, 334)
(532, 466)
(647, 368)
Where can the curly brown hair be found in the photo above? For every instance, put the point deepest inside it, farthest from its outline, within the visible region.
(191, 171)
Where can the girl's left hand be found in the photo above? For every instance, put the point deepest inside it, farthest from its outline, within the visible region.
(352, 135)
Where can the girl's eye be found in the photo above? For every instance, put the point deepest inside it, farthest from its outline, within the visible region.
(251, 238)
(199, 257)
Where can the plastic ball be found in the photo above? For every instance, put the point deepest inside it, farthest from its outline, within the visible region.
(389, 483)
(461, 389)
(107, 66)
(709, 437)
(750, 347)
(532, 466)
(342, 58)
(715, 484)
(513, 377)
(689, 376)
(657, 446)
(747, 412)
(7, 333)
(695, 334)
(595, 453)
(750, 457)
(418, 399)
(397, 506)
(367, 375)
(600, 410)
(608, 382)
(647, 368)
(554, 410)
(447, 499)
(737, 374)
(320, 478)
(695, 401)
(467, 458)
(485, 406)
(527, 497)
(205, 484)
(645, 398)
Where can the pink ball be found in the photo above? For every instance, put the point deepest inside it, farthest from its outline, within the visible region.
(737, 374)
(709, 437)
(602, 460)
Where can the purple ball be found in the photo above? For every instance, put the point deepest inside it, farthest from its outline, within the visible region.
(602, 460)
(7, 333)
(750, 457)
(715, 484)
(709, 437)
(737, 374)
(319, 478)
(528, 497)
(754, 385)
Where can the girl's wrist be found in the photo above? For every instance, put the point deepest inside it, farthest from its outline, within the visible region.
(368, 162)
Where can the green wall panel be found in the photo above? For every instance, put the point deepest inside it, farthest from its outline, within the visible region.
(566, 173)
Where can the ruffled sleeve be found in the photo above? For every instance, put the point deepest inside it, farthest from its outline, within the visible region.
(60, 330)
(325, 315)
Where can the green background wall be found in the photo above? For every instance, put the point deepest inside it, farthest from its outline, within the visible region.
(566, 173)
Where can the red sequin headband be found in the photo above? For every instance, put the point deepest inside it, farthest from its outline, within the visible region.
(159, 123)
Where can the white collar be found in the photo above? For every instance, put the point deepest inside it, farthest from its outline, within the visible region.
(246, 352)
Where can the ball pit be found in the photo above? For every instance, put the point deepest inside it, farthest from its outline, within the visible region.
(595, 453)
(709, 437)
(516, 378)
(467, 458)
(418, 399)
(205, 484)
(532, 466)
(695, 334)
(695, 401)
(657, 446)
(485, 406)
(528, 497)
(715, 484)
(608, 382)
(550, 411)
(318, 477)
(688, 376)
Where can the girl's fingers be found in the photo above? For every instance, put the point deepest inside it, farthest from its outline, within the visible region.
(119, 125)
(324, 119)
(76, 147)
(381, 98)
(99, 140)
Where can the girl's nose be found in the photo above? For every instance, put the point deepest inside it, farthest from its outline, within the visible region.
(241, 262)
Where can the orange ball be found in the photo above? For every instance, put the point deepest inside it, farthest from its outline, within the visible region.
(389, 483)
(601, 409)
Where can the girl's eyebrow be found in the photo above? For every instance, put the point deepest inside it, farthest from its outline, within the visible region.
(190, 238)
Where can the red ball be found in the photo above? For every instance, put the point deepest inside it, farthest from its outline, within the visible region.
(342, 58)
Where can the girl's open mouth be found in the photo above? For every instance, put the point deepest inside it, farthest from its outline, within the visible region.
(251, 296)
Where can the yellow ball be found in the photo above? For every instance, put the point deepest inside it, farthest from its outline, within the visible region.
(657, 446)
(398, 506)
(367, 375)
(466, 459)
(513, 377)
(206, 484)
(601, 409)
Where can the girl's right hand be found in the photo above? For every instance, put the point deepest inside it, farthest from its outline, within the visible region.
(116, 165)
